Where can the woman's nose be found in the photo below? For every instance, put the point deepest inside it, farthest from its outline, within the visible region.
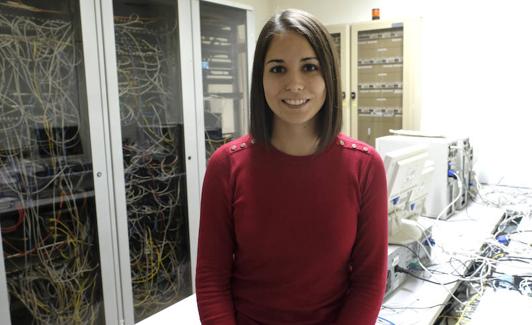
(294, 82)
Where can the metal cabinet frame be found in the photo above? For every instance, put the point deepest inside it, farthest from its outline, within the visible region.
(345, 64)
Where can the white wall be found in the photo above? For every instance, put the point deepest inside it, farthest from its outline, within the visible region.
(476, 68)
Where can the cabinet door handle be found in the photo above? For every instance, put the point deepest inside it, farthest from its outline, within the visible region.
(353, 95)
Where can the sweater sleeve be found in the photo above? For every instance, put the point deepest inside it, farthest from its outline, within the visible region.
(216, 244)
(370, 252)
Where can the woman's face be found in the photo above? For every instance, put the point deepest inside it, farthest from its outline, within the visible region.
(293, 84)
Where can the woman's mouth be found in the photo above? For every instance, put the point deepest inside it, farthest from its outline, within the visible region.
(295, 102)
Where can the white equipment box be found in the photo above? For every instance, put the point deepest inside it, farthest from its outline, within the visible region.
(453, 160)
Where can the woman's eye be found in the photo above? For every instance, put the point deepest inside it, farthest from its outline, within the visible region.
(277, 69)
(310, 67)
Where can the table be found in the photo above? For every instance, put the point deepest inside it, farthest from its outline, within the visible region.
(419, 302)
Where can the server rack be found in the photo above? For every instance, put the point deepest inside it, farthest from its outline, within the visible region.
(224, 48)
(152, 142)
(49, 211)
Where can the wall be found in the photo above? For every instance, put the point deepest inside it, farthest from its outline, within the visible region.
(476, 71)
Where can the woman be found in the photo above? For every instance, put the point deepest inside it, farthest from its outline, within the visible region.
(293, 223)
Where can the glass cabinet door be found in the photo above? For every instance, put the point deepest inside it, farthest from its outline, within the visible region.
(152, 129)
(224, 55)
(48, 223)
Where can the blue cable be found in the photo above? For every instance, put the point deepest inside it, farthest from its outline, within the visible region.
(384, 321)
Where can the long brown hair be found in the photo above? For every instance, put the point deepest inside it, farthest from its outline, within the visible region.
(329, 120)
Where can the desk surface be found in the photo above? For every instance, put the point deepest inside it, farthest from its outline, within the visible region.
(184, 312)
(420, 302)
(502, 307)
(508, 306)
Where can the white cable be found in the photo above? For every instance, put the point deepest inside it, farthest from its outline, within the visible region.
(460, 189)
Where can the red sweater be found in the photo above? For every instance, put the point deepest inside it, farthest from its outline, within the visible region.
(292, 240)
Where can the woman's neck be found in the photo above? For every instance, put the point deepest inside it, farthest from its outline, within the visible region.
(295, 140)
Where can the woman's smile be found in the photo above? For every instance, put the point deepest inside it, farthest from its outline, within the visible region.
(296, 103)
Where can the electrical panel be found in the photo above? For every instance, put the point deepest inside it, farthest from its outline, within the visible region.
(384, 78)
(380, 82)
